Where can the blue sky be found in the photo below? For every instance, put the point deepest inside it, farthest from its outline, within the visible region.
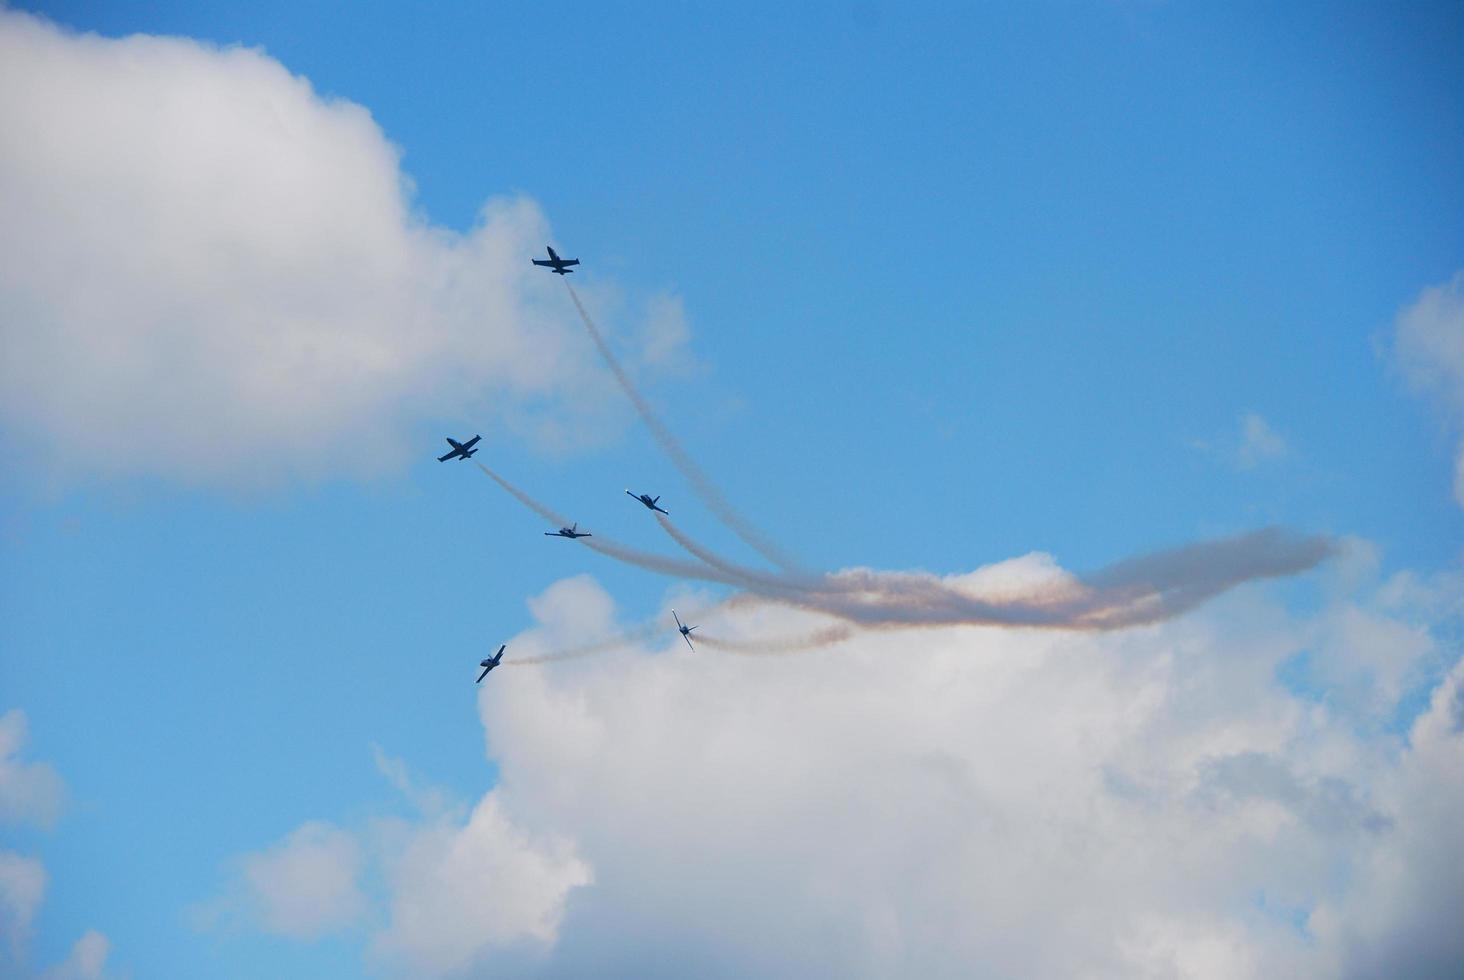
(958, 285)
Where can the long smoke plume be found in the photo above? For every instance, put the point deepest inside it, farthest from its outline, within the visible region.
(1134, 592)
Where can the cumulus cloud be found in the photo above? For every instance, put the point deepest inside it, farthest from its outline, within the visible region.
(30, 792)
(992, 802)
(303, 887)
(456, 884)
(1165, 801)
(1429, 351)
(211, 272)
(459, 891)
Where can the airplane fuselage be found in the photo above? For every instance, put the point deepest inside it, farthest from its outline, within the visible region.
(560, 267)
(649, 501)
(460, 450)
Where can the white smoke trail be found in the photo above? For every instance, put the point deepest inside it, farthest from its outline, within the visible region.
(614, 549)
(777, 647)
(700, 482)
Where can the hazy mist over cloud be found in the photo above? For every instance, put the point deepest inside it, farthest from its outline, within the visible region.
(211, 272)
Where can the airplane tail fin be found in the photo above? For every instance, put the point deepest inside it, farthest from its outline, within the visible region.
(470, 454)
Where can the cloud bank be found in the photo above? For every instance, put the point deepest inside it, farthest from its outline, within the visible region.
(1167, 801)
(212, 273)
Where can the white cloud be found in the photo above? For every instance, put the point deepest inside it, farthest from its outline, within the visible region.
(457, 884)
(1400, 917)
(1258, 442)
(460, 891)
(87, 960)
(208, 271)
(986, 802)
(30, 792)
(958, 802)
(305, 886)
(1429, 350)
(22, 887)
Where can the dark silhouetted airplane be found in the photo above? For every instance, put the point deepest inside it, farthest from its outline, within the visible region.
(490, 663)
(649, 501)
(568, 532)
(561, 267)
(460, 450)
(685, 630)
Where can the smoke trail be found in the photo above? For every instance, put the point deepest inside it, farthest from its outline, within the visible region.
(698, 479)
(1135, 592)
(797, 644)
(613, 549)
(744, 576)
(617, 642)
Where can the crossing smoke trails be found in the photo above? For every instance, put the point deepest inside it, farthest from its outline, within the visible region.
(613, 549)
(698, 479)
(1134, 592)
(1138, 591)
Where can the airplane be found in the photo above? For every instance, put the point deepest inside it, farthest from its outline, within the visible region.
(490, 663)
(461, 450)
(554, 262)
(568, 532)
(649, 501)
(685, 630)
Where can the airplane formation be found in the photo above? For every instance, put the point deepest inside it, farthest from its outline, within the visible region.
(465, 450)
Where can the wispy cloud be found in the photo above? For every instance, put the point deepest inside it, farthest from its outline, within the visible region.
(1259, 442)
(1428, 348)
(30, 792)
(1253, 442)
(33, 793)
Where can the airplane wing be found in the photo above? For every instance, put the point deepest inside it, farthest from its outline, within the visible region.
(688, 643)
(482, 675)
(543, 262)
(444, 459)
(470, 443)
(569, 261)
